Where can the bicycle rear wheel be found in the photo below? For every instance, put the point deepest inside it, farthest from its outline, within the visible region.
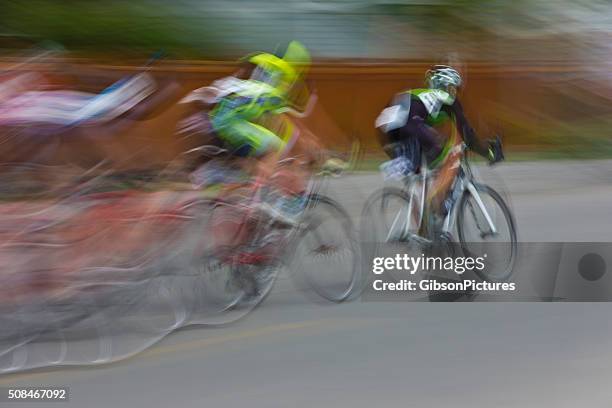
(477, 239)
(238, 271)
(389, 215)
(390, 225)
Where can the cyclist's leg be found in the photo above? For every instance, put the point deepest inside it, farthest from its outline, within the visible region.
(412, 139)
(302, 147)
(266, 147)
(263, 147)
(430, 140)
(248, 139)
(444, 156)
(251, 144)
(404, 148)
(448, 170)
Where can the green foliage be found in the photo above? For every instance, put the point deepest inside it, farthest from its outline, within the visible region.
(108, 26)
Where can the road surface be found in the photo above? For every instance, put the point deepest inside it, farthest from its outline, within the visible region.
(294, 351)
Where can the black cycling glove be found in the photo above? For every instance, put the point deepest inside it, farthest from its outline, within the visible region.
(496, 153)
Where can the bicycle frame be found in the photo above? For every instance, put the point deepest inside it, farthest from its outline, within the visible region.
(465, 182)
(264, 225)
(418, 189)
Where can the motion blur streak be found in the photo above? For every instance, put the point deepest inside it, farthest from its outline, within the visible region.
(167, 164)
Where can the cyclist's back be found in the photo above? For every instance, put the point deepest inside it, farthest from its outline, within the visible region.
(238, 115)
(409, 120)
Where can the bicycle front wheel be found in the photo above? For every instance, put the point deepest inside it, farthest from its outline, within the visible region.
(486, 229)
(327, 252)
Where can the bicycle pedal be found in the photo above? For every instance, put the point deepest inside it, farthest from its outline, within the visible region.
(488, 234)
(412, 237)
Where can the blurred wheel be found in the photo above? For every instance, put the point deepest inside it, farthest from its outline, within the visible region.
(499, 247)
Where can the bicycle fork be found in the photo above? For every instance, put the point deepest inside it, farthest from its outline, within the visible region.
(468, 185)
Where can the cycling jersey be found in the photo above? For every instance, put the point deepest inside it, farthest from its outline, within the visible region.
(237, 112)
(434, 100)
(414, 113)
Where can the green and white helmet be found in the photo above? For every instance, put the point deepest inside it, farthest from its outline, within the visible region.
(442, 76)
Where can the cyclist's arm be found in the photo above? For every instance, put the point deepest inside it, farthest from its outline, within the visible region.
(306, 145)
(467, 132)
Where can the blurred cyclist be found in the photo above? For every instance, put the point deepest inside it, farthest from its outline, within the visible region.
(407, 129)
(247, 116)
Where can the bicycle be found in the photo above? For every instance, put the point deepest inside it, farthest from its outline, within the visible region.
(479, 215)
(243, 272)
(245, 266)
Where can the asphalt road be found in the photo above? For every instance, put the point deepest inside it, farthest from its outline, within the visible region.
(296, 351)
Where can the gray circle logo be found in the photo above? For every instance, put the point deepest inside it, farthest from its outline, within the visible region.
(591, 267)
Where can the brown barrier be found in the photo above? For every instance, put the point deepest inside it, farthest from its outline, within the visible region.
(522, 102)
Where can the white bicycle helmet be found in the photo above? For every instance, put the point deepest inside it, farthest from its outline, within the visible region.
(442, 77)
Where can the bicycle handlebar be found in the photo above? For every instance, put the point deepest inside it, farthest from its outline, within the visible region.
(207, 150)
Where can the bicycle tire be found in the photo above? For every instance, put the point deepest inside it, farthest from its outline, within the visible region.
(509, 219)
(351, 287)
(371, 224)
(232, 272)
